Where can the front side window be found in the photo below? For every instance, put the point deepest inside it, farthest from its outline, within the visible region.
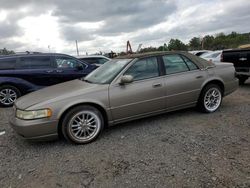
(66, 62)
(143, 69)
(7, 64)
(174, 64)
(35, 62)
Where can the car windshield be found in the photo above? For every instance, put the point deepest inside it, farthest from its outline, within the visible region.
(107, 72)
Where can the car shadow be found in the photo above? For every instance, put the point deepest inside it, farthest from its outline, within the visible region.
(148, 121)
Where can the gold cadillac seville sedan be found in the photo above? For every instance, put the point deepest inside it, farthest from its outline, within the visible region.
(123, 89)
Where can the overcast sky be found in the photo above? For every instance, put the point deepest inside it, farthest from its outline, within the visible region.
(105, 25)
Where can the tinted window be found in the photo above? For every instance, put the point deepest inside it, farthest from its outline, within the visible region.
(35, 62)
(190, 64)
(66, 62)
(90, 60)
(102, 60)
(174, 64)
(7, 64)
(143, 69)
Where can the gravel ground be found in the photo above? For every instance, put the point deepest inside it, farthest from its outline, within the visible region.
(180, 149)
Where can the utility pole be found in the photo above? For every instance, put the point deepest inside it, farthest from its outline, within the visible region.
(77, 50)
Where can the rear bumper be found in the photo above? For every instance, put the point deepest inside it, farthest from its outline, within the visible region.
(232, 86)
(40, 129)
(243, 71)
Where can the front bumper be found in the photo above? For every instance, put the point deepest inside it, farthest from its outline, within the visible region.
(39, 129)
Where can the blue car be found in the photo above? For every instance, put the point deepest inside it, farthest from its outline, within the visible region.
(24, 73)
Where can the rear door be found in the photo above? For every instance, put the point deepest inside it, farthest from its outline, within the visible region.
(35, 69)
(7, 67)
(183, 81)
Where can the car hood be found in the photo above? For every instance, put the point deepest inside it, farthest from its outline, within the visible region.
(54, 93)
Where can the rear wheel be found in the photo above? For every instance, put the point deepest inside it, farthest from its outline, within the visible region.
(82, 124)
(8, 95)
(210, 99)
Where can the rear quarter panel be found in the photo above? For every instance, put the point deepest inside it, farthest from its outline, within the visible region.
(225, 72)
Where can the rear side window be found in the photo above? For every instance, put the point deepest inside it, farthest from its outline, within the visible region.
(35, 62)
(191, 65)
(7, 64)
(174, 64)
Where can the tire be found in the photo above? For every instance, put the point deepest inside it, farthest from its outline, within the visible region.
(210, 98)
(8, 95)
(76, 130)
(242, 79)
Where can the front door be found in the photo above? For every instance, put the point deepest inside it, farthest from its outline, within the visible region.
(145, 95)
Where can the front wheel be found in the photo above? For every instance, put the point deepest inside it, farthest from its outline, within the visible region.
(210, 99)
(8, 95)
(82, 124)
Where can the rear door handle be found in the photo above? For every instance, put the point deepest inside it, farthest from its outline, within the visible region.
(59, 71)
(157, 85)
(200, 76)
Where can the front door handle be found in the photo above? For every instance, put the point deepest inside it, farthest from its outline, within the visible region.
(157, 85)
(59, 71)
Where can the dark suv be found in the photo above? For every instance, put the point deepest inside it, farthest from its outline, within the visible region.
(24, 73)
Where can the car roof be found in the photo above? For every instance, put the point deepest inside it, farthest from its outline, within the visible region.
(31, 54)
(202, 63)
(90, 56)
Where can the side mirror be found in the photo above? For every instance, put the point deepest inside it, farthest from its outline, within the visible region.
(126, 79)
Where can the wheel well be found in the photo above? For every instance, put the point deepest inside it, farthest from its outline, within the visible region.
(100, 108)
(14, 85)
(218, 83)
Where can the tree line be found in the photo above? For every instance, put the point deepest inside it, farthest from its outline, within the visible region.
(4, 51)
(219, 41)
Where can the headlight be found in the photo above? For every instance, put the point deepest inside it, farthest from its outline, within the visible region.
(34, 114)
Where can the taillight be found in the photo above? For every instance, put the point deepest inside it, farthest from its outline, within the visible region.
(221, 57)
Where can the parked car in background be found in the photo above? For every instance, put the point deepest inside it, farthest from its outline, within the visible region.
(123, 89)
(241, 60)
(97, 60)
(214, 56)
(27, 72)
(199, 52)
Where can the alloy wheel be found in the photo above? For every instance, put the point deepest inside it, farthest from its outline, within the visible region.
(212, 99)
(8, 96)
(84, 125)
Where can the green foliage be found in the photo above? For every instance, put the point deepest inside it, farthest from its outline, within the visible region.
(6, 52)
(195, 43)
(176, 44)
(222, 41)
(209, 42)
(148, 49)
